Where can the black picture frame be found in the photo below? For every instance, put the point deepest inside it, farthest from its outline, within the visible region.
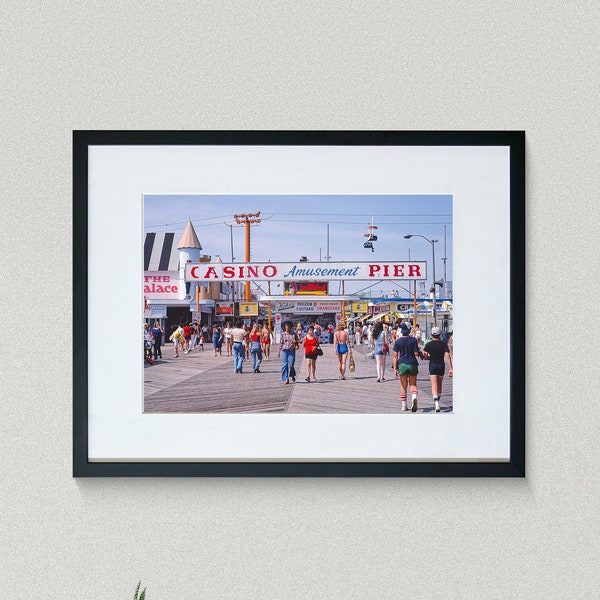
(83, 141)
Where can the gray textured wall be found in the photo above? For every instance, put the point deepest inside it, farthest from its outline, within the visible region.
(299, 65)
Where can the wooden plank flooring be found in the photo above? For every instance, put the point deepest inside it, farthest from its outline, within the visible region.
(200, 382)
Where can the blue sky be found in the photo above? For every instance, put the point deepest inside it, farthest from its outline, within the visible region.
(294, 226)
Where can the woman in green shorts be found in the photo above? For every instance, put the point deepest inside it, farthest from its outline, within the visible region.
(406, 366)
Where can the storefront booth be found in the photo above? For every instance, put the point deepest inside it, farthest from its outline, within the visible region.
(309, 310)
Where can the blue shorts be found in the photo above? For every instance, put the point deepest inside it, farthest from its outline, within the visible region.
(437, 369)
(342, 348)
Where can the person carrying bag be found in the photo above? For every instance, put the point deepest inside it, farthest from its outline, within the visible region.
(312, 350)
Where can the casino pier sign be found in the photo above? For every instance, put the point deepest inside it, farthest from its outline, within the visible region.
(287, 306)
(338, 271)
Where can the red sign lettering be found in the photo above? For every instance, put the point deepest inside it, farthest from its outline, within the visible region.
(153, 288)
(270, 271)
(414, 270)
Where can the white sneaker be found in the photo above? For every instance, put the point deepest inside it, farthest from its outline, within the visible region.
(437, 406)
(403, 405)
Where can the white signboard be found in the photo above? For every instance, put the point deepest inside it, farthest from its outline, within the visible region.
(331, 271)
(306, 306)
(158, 312)
(381, 308)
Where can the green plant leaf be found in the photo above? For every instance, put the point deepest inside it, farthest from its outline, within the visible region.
(137, 589)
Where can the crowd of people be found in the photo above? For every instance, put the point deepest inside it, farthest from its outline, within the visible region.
(242, 343)
(193, 336)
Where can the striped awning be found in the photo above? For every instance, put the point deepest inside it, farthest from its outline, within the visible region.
(160, 252)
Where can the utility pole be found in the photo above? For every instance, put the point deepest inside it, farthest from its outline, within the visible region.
(232, 284)
(247, 220)
(444, 259)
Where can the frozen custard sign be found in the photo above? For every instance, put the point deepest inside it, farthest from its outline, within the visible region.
(305, 306)
(339, 271)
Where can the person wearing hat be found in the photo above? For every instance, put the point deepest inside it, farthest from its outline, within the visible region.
(406, 366)
(436, 351)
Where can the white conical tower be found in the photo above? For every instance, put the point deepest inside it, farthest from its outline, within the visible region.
(189, 251)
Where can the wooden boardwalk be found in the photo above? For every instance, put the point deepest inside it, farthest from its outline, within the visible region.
(200, 382)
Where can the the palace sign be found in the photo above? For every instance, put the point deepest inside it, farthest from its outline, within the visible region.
(161, 285)
(346, 271)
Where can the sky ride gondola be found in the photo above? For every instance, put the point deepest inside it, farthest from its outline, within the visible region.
(371, 236)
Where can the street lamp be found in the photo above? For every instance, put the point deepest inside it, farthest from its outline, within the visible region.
(432, 289)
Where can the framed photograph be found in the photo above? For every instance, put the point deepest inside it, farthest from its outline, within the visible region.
(299, 303)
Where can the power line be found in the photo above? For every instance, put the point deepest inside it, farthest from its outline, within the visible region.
(199, 221)
(361, 223)
(336, 214)
(357, 223)
(185, 222)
